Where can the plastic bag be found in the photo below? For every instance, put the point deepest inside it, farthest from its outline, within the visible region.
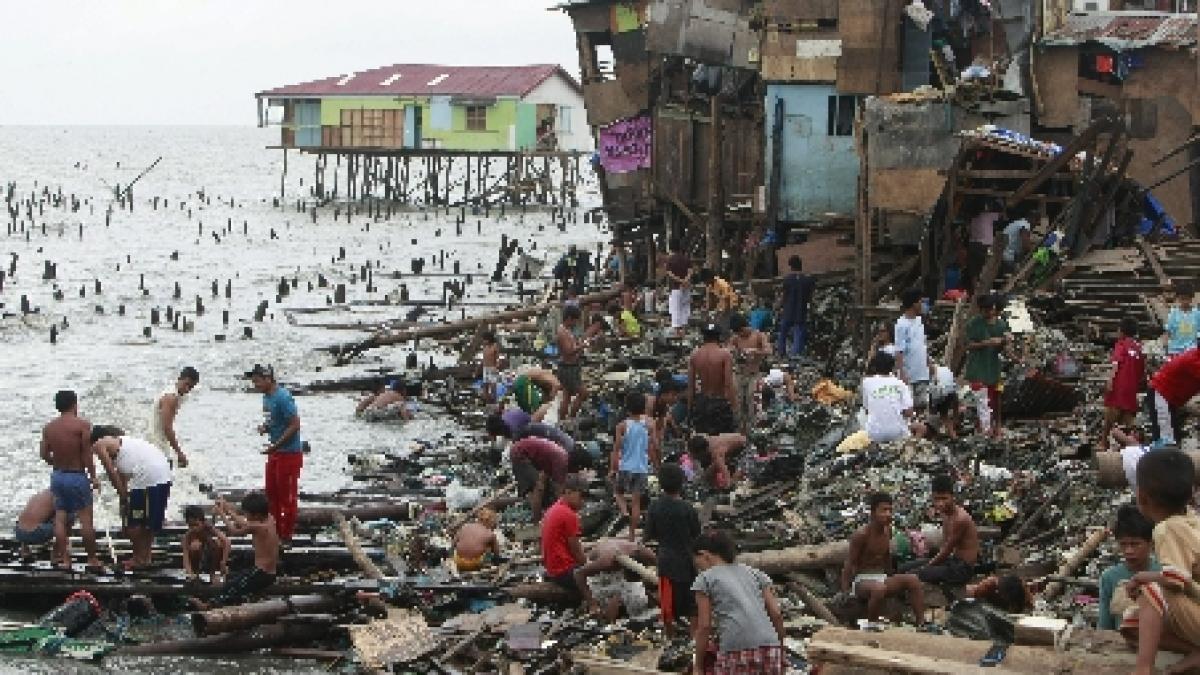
(459, 498)
(979, 621)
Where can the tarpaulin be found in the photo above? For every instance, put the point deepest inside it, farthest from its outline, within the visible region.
(626, 145)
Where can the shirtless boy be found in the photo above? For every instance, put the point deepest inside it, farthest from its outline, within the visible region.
(67, 446)
(570, 368)
(260, 525)
(868, 573)
(750, 347)
(711, 395)
(474, 541)
(714, 454)
(955, 561)
(491, 365)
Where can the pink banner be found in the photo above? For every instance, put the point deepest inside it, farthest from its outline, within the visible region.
(626, 145)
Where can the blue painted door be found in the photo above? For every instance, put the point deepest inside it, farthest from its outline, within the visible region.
(818, 164)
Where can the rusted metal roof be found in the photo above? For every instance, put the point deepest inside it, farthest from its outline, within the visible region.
(1125, 30)
(428, 80)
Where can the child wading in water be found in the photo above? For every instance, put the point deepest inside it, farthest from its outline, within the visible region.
(634, 448)
(205, 548)
(1167, 614)
(748, 621)
(260, 525)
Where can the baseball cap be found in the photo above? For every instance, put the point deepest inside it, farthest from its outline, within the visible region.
(259, 370)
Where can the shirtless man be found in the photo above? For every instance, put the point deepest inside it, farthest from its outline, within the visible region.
(257, 521)
(955, 561)
(474, 541)
(389, 394)
(750, 348)
(868, 574)
(67, 446)
(711, 395)
(601, 559)
(35, 525)
(165, 409)
(570, 370)
(714, 453)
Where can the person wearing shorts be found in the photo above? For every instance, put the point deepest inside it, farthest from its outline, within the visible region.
(634, 449)
(678, 272)
(141, 475)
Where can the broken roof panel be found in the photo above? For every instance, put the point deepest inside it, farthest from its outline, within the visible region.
(1125, 30)
(429, 80)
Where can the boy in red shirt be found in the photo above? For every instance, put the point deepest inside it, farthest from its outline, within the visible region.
(562, 553)
(1128, 378)
(1171, 387)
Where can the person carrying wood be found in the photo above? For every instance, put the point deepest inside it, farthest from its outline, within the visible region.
(868, 573)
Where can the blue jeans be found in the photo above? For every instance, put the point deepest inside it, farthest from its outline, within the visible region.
(797, 331)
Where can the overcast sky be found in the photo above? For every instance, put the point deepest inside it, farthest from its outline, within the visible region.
(200, 61)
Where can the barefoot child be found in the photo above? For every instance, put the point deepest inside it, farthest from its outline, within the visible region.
(475, 541)
(633, 451)
(205, 548)
(674, 524)
(491, 365)
(1167, 615)
(260, 525)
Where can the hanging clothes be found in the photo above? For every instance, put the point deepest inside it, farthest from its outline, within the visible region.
(1104, 64)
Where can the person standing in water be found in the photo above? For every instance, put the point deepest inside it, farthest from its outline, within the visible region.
(162, 415)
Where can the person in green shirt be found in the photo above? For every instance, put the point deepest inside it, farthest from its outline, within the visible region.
(986, 337)
(1135, 539)
(627, 324)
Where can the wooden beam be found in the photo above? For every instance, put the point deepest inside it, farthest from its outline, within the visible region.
(1087, 138)
(1155, 265)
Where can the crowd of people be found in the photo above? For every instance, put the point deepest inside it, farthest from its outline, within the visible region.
(140, 472)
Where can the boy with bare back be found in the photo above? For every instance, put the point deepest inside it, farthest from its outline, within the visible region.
(475, 542)
(260, 525)
(711, 394)
(67, 446)
(868, 572)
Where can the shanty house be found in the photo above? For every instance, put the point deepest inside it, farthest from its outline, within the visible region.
(422, 106)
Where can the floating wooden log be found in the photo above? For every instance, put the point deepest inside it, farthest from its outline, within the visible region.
(356, 551)
(1071, 564)
(241, 617)
(345, 352)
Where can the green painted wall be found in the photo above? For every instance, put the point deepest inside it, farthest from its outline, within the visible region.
(526, 126)
(501, 117)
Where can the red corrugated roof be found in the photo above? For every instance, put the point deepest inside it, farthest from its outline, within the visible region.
(411, 79)
(1126, 30)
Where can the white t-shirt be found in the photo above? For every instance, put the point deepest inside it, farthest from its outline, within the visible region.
(910, 342)
(1130, 455)
(886, 398)
(1013, 246)
(943, 383)
(143, 464)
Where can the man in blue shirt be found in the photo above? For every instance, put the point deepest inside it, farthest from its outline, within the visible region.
(285, 451)
(794, 297)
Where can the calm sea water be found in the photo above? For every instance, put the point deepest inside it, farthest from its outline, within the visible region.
(117, 372)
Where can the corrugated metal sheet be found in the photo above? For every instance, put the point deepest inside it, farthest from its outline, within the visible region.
(1124, 30)
(428, 80)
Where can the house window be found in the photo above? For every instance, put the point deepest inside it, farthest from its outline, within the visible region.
(564, 119)
(841, 115)
(476, 118)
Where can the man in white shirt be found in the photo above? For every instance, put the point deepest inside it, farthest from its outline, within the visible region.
(1019, 242)
(162, 415)
(912, 354)
(141, 476)
(888, 402)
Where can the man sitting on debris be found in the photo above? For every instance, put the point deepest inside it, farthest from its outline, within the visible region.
(1135, 539)
(714, 454)
(711, 394)
(388, 396)
(1168, 612)
(1170, 389)
(474, 542)
(602, 583)
(955, 560)
(868, 573)
(562, 553)
(888, 402)
(540, 467)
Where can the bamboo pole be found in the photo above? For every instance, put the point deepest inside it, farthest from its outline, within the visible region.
(1068, 568)
(360, 557)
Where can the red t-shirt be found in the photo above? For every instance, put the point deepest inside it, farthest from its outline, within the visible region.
(559, 524)
(1179, 379)
(545, 455)
(1130, 374)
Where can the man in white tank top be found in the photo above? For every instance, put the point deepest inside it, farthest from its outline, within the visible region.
(163, 411)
